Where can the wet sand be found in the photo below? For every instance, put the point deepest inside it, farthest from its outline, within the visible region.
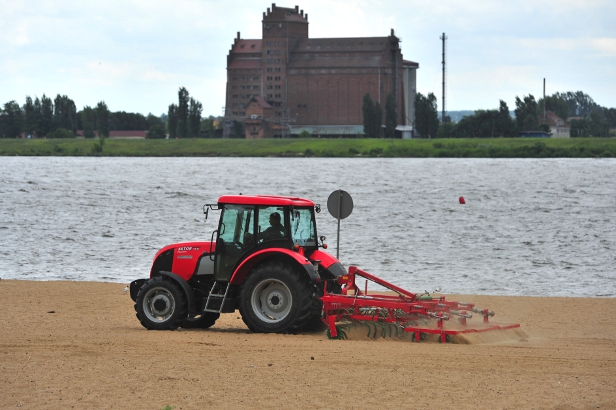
(79, 345)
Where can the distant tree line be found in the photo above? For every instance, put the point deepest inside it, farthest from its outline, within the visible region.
(586, 118)
(59, 118)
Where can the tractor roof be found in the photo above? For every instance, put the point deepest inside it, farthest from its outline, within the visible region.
(264, 200)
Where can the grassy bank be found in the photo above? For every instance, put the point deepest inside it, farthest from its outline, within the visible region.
(418, 148)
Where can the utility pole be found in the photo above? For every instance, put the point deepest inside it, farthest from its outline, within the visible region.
(444, 39)
(544, 100)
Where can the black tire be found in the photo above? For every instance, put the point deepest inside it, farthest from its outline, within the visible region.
(275, 298)
(201, 321)
(315, 321)
(161, 304)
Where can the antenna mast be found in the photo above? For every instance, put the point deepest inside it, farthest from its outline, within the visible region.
(444, 39)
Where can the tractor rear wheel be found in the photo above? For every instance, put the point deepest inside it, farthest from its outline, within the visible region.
(275, 298)
(201, 321)
(161, 304)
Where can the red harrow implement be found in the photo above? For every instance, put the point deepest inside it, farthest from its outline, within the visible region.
(390, 315)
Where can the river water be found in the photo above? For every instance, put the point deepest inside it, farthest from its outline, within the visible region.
(538, 227)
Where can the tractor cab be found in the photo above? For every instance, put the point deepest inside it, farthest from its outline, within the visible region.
(265, 222)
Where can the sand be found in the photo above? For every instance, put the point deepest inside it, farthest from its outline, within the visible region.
(79, 345)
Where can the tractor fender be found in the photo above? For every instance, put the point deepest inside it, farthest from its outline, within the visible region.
(247, 264)
(190, 295)
(134, 288)
(328, 263)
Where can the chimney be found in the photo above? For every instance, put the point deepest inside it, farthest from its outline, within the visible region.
(238, 35)
(306, 16)
(273, 6)
(302, 13)
(297, 9)
(392, 32)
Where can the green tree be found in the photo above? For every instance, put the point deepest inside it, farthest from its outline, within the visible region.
(526, 113)
(556, 104)
(62, 133)
(208, 127)
(88, 119)
(378, 119)
(11, 120)
(391, 117)
(580, 104)
(30, 116)
(172, 121)
(182, 113)
(238, 130)
(65, 113)
(45, 124)
(156, 131)
(102, 120)
(368, 113)
(194, 118)
(426, 115)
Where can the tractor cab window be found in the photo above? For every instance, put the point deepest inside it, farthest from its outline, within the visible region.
(303, 230)
(271, 224)
(235, 224)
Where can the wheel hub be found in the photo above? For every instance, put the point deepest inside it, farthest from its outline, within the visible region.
(158, 304)
(271, 300)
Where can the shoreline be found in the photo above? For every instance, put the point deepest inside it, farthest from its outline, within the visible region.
(318, 147)
(78, 344)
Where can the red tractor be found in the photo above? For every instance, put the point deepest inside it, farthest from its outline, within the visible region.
(264, 259)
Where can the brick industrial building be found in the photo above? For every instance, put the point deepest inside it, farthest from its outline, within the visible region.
(287, 82)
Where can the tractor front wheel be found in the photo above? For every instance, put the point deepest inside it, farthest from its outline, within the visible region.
(161, 304)
(275, 299)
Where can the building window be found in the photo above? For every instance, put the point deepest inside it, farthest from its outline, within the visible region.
(255, 87)
(234, 95)
(277, 43)
(242, 95)
(269, 69)
(268, 52)
(234, 105)
(277, 69)
(269, 43)
(234, 78)
(235, 87)
(255, 78)
(241, 78)
(278, 87)
(277, 52)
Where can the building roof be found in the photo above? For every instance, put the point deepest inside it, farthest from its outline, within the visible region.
(552, 119)
(407, 63)
(247, 46)
(261, 102)
(355, 44)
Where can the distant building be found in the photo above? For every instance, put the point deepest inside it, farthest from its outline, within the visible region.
(558, 126)
(317, 84)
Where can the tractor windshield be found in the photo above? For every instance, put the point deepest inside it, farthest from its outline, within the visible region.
(303, 231)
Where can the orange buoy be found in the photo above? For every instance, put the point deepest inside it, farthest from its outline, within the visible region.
(462, 201)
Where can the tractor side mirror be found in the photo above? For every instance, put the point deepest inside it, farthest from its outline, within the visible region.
(317, 208)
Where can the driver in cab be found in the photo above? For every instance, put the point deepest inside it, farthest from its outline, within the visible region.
(274, 231)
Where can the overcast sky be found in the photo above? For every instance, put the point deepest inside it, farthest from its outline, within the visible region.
(135, 54)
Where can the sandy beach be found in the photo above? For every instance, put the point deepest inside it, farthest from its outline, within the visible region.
(79, 345)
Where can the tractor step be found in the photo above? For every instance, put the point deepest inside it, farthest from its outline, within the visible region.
(217, 302)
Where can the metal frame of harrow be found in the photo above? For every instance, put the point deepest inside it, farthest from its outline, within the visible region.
(406, 312)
